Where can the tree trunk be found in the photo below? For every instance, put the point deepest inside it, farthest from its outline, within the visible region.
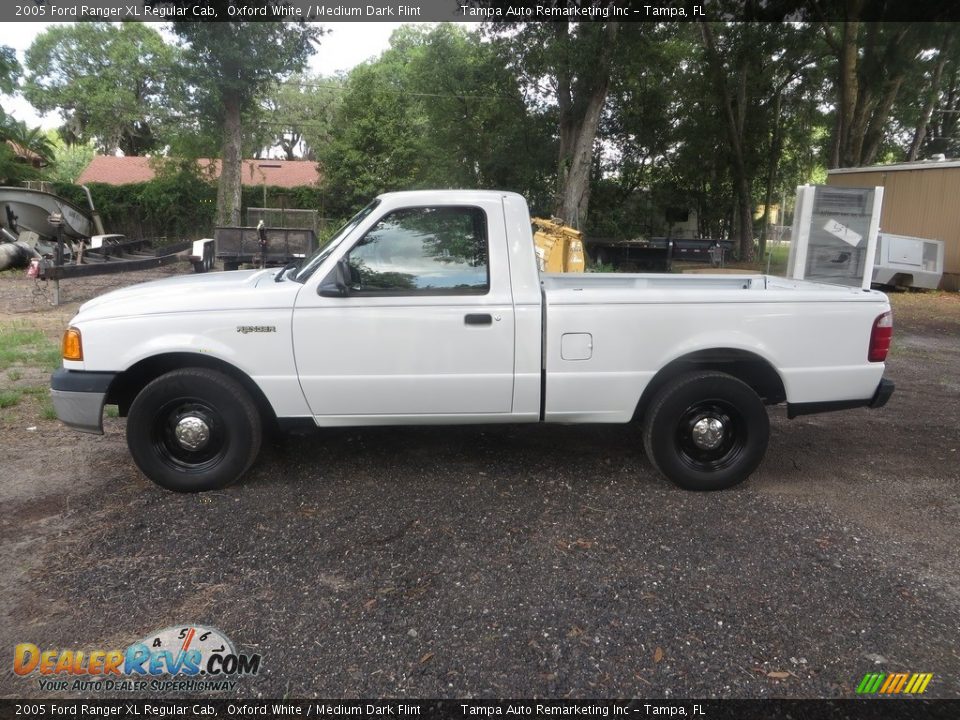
(575, 194)
(734, 117)
(228, 190)
(873, 137)
(847, 91)
(920, 134)
(579, 121)
(868, 83)
(775, 142)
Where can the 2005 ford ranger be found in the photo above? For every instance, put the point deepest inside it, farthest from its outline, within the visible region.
(428, 308)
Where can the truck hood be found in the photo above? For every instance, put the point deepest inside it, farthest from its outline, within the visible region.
(208, 292)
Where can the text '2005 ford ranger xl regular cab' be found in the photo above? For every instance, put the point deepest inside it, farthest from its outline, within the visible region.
(428, 308)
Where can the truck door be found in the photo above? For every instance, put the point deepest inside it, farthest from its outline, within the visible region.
(425, 328)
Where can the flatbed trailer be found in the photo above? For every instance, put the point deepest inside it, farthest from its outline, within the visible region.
(237, 245)
(114, 254)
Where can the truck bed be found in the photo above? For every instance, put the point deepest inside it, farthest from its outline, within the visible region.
(568, 288)
(607, 335)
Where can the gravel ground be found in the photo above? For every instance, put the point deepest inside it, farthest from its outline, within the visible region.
(512, 561)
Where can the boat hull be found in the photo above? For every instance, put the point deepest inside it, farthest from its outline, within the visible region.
(23, 209)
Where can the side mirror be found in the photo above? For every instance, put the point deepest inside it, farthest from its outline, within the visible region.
(336, 283)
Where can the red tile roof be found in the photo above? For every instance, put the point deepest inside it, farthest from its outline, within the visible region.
(279, 173)
(26, 154)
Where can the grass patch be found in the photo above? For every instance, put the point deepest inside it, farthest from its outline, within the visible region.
(40, 403)
(46, 409)
(777, 255)
(9, 398)
(42, 394)
(14, 375)
(24, 346)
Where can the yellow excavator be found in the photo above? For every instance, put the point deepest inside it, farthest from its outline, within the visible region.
(559, 248)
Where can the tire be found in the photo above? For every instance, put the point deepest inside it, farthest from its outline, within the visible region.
(709, 401)
(209, 408)
(204, 265)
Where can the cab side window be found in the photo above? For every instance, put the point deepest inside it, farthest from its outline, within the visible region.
(424, 250)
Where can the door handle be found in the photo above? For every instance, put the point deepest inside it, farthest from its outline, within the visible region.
(478, 319)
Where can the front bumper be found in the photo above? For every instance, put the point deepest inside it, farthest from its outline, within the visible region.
(78, 398)
(880, 396)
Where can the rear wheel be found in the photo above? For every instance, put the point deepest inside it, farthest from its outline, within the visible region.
(193, 429)
(706, 431)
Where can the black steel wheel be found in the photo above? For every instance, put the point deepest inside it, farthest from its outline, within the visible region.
(193, 429)
(706, 431)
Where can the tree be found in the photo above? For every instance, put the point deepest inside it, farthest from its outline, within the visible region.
(928, 100)
(9, 70)
(115, 85)
(68, 160)
(640, 130)
(298, 114)
(479, 133)
(873, 63)
(437, 109)
(942, 131)
(17, 140)
(568, 64)
(379, 143)
(234, 64)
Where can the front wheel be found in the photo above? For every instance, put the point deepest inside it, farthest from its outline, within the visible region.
(193, 429)
(706, 431)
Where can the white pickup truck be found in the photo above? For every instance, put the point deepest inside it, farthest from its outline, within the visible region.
(428, 308)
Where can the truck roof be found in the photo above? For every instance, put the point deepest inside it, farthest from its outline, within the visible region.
(446, 195)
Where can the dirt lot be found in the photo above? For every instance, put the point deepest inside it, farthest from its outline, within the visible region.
(507, 561)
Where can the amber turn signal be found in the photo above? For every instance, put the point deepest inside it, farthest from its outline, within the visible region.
(72, 346)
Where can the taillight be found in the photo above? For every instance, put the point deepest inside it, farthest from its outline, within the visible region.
(880, 337)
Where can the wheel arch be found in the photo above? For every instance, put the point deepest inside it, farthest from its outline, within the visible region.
(131, 381)
(751, 368)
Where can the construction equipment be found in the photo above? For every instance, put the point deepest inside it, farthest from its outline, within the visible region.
(559, 248)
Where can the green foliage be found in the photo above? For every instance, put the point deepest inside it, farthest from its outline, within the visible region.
(15, 169)
(68, 160)
(667, 142)
(113, 84)
(305, 197)
(446, 107)
(926, 118)
(235, 63)
(297, 115)
(11, 170)
(179, 203)
(380, 145)
(9, 70)
(26, 346)
(438, 109)
(239, 60)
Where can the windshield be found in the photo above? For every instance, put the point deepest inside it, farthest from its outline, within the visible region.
(316, 260)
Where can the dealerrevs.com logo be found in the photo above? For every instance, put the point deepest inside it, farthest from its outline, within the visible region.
(183, 658)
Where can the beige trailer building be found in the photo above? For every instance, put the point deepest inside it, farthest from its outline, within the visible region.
(920, 199)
